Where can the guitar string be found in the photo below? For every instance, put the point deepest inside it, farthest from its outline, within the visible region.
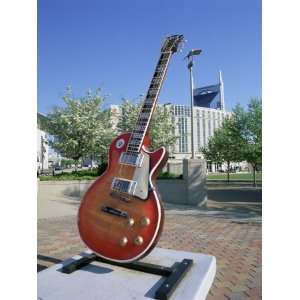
(159, 65)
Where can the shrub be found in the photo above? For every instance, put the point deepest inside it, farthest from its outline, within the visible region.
(167, 175)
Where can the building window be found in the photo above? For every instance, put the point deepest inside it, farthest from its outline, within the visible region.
(185, 136)
(209, 119)
(215, 122)
(204, 128)
(198, 133)
(182, 127)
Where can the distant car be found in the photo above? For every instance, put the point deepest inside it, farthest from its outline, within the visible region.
(57, 170)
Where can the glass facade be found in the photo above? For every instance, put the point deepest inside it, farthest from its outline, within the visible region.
(182, 128)
(206, 121)
(207, 96)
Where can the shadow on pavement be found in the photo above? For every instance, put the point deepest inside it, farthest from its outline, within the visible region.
(240, 212)
(49, 259)
(72, 192)
(237, 203)
(46, 260)
(224, 201)
(235, 194)
(41, 267)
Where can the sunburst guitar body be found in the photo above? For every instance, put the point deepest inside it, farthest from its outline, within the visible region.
(121, 215)
(118, 226)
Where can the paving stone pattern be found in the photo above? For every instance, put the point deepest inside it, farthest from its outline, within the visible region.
(236, 246)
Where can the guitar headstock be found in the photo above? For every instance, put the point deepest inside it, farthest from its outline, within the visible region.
(173, 43)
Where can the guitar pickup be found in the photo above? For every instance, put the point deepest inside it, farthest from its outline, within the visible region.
(123, 186)
(114, 211)
(131, 159)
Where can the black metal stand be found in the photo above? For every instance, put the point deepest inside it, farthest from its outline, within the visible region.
(173, 274)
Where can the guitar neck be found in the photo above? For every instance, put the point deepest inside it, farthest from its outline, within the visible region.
(149, 103)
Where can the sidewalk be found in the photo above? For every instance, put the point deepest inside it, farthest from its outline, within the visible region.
(56, 206)
(236, 245)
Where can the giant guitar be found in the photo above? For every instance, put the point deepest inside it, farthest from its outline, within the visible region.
(121, 216)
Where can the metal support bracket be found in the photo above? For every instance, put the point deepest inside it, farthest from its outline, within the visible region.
(173, 274)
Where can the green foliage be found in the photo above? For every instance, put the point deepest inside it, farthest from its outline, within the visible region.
(234, 176)
(249, 124)
(75, 175)
(167, 175)
(81, 128)
(239, 138)
(129, 115)
(252, 132)
(93, 173)
(67, 162)
(225, 144)
(101, 168)
(162, 127)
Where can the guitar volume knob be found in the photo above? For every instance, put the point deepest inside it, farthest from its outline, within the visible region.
(130, 221)
(123, 241)
(138, 240)
(145, 221)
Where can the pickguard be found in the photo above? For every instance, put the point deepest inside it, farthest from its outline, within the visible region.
(141, 176)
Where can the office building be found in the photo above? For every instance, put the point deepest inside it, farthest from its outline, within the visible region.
(206, 121)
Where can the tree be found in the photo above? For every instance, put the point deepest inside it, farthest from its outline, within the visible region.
(239, 138)
(128, 117)
(250, 129)
(66, 163)
(224, 146)
(81, 129)
(162, 127)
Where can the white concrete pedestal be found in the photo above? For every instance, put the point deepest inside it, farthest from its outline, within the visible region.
(101, 281)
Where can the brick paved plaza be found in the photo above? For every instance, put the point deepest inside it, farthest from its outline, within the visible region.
(236, 243)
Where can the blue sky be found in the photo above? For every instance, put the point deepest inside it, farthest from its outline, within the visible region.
(114, 45)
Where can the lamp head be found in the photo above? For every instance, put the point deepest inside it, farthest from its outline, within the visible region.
(194, 52)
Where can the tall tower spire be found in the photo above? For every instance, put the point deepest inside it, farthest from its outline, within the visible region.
(222, 100)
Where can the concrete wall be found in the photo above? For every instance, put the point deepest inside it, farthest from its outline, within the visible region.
(191, 190)
(74, 189)
(173, 190)
(194, 173)
(175, 167)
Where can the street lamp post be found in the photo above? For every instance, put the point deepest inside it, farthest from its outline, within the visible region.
(190, 67)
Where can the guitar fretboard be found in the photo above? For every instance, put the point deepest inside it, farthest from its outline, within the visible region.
(149, 103)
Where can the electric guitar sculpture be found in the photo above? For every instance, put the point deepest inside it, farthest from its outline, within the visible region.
(121, 215)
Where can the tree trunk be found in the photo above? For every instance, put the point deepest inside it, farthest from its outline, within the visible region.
(254, 174)
(76, 164)
(228, 166)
